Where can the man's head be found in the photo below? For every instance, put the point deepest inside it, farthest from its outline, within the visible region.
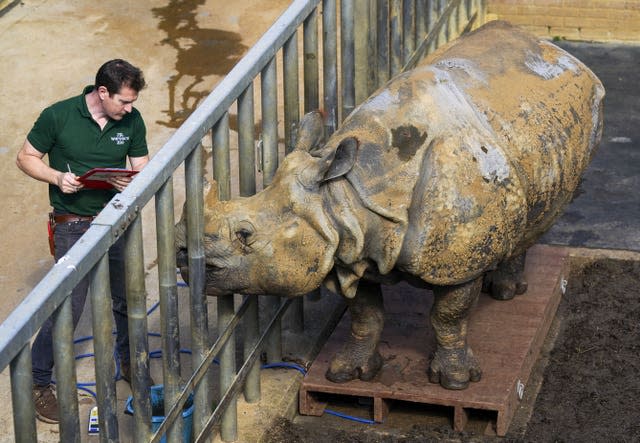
(117, 73)
(118, 83)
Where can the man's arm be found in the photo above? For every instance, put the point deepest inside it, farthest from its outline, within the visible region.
(29, 160)
(137, 163)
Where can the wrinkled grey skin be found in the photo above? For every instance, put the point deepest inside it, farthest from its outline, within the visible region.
(444, 177)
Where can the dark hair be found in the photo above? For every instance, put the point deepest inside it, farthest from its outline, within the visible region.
(117, 73)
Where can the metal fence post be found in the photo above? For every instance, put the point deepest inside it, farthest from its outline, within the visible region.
(247, 153)
(269, 102)
(169, 311)
(225, 304)
(330, 66)
(347, 56)
(102, 320)
(137, 314)
(199, 319)
(24, 416)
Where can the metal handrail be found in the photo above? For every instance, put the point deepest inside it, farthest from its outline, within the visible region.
(429, 22)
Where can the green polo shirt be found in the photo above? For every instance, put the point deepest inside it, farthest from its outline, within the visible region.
(72, 139)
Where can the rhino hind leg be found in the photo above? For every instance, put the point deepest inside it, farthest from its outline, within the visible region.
(359, 356)
(453, 364)
(508, 280)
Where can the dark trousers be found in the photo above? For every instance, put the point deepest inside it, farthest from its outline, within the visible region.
(66, 234)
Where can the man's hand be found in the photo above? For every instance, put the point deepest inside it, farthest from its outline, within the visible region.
(119, 182)
(68, 183)
(29, 160)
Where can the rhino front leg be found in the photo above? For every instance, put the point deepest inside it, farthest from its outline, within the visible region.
(508, 280)
(359, 357)
(453, 364)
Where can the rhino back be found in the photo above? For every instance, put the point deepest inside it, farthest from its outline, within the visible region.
(468, 158)
(543, 105)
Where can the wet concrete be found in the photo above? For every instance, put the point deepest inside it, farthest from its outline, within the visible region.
(606, 210)
(49, 51)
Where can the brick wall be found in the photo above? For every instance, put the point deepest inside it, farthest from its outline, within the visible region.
(597, 20)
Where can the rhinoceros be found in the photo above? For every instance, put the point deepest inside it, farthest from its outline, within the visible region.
(443, 177)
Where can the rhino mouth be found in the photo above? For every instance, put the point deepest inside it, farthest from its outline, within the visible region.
(216, 276)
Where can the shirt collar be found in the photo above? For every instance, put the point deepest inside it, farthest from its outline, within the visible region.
(82, 105)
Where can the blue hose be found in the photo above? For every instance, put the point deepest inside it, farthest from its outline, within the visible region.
(158, 354)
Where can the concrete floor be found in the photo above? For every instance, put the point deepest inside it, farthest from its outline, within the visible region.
(606, 210)
(50, 50)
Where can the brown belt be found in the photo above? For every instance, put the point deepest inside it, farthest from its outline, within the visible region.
(72, 218)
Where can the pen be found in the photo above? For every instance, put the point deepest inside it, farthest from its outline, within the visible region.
(69, 168)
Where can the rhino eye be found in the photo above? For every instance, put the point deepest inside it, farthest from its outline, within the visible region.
(243, 236)
(244, 233)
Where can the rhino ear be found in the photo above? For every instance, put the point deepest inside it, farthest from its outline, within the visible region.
(311, 133)
(343, 159)
(333, 164)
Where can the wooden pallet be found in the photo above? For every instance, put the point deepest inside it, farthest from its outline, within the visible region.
(506, 337)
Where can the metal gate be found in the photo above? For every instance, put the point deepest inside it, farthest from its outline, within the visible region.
(347, 50)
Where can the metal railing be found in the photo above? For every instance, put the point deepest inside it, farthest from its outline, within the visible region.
(344, 59)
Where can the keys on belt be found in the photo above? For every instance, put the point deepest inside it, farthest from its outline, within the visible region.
(71, 218)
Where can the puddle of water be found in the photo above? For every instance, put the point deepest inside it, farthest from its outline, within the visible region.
(202, 52)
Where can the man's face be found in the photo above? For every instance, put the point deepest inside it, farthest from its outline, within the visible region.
(117, 105)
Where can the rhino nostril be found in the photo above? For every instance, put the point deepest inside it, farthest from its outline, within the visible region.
(182, 257)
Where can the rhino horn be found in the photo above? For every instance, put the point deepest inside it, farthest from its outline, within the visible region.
(211, 193)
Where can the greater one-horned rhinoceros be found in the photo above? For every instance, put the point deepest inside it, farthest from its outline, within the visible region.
(445, 175)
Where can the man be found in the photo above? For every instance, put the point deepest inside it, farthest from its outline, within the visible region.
(99, 128)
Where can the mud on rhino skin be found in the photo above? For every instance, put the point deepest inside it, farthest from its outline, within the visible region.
(443, 177)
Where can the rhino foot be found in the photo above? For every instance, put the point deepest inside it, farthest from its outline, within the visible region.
(508, 280)
(346, 367)
(507, 289)
(454, 368)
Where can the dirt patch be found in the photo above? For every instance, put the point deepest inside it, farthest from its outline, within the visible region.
(589, 389)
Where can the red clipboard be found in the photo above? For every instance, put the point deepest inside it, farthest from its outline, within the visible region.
(96, 177)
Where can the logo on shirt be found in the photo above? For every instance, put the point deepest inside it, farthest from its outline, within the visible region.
(120, 138)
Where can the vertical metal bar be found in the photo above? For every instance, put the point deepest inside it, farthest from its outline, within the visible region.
(246, 148)
(372, 48)
(168, 294)
(246, 143)
(229, 421)
(330, 65)
(250, 323)
(137, 314)
(432, 18)
(291, 98)
(310, 48)
(24, 416)
(269, 100)
(291, 112)
(102, 319)
(222, 157)
(395, 30)
(347, 57)
(444, 30)
(360, 33)
(382, 59)
(225, 310)
(452, 23)
(199, 324)
(421, 20)
(65, 372)
(408, 30)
